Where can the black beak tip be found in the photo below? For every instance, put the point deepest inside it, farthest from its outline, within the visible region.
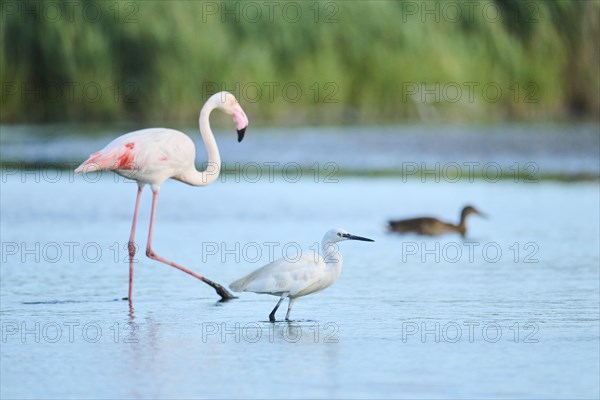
(241, 133)
(363, 239)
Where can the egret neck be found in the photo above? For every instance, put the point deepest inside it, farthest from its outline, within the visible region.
(331, 255)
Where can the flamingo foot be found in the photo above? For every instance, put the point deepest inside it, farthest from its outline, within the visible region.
(221, 291)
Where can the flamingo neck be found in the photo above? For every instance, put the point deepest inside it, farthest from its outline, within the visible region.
(213, 168)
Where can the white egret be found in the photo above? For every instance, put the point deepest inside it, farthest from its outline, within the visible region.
(311, 272)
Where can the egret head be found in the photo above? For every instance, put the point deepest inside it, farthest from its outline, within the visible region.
(339, 234)
(227, 103)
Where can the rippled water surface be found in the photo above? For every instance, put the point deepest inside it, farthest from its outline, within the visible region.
(512, 311)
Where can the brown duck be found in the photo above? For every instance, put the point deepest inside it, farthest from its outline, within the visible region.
(433, 226)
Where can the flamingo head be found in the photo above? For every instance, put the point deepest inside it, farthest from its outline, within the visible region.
(229, 105)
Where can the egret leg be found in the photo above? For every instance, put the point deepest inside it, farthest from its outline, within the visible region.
(221, 291)
(131, 244)
(272, 315)
(290, 305)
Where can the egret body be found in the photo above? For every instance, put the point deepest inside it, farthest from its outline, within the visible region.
(312, 272)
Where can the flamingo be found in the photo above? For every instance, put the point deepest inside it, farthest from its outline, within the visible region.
(312, 272)
(151, 156)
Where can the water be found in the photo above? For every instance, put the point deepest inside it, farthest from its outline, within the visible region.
(510, 312)
(552, 148)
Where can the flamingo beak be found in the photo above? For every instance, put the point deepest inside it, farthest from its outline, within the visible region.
(241, 121)
(241, 133)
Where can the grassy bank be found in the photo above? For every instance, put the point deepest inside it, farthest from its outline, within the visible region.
(300, 62)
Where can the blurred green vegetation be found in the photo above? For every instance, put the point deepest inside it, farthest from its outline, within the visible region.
(300, 62)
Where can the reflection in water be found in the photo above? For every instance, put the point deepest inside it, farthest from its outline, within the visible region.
(289, 331)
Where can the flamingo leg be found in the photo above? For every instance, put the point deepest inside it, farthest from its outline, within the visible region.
(131, 244)
(221, 291)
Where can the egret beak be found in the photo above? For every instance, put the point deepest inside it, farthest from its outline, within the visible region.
(353, 237)
(482, 215)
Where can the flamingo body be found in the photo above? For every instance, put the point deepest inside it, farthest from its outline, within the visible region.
(151, 156)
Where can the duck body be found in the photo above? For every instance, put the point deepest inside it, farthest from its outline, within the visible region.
(425, 226)
(430, 226)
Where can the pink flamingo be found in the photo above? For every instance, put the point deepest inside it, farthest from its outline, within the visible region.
(151, 156)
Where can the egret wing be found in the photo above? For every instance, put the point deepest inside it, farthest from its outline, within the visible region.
(282, 276)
